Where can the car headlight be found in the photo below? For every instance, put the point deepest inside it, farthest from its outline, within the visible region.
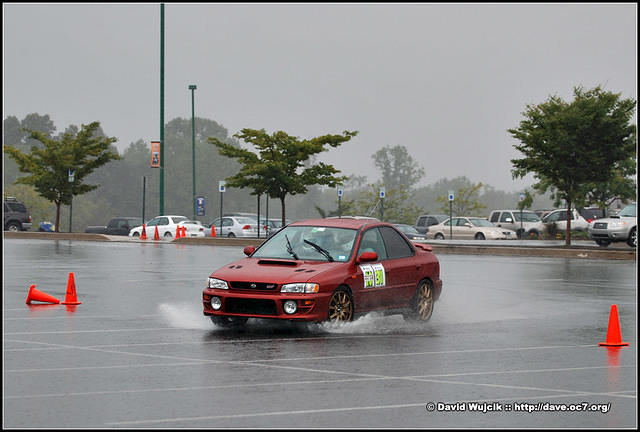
(217, 283)
(301, 288)
(617, 224)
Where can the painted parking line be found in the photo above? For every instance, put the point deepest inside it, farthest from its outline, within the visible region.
(430, 377)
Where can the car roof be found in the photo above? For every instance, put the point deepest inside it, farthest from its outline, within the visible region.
(513, 210)
(343, 222)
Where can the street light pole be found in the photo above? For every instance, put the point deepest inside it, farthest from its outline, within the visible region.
(192, 87)
(161, 108)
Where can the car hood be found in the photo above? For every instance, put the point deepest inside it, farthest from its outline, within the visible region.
(277, 271)
(615, 219)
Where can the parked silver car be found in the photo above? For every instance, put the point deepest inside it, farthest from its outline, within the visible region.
(618, 228)
(235, 226)
(526, 223)
(465, 228)
(559, 219)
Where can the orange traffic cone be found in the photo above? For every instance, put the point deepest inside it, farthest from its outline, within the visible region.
(156, 236)
(35, 295)
(184, 231)
(614, 337)
(143, 236)
(71, 297)
(213, 230)
(178, 231)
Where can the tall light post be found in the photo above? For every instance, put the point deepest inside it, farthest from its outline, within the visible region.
(161, 108)
(192, 87)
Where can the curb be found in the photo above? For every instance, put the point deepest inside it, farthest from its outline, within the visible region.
(533, 251)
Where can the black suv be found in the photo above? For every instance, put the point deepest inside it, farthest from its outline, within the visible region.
(16, 215)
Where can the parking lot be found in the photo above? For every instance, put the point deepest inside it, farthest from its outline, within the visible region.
(513, 343)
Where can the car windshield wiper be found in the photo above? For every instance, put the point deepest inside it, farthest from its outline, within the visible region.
(320, 249)
(290, 249)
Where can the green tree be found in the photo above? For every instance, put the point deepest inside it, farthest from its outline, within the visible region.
(48, 166)
(14, 134)
(466, 202)
(398, 168)
(397, 206)
(567, 145)
(281, 167)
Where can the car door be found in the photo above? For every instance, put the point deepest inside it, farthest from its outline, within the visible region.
(371, 282)
(163, 226)
(506, 220)
(227, 226)
(400, 268)
(462, 229)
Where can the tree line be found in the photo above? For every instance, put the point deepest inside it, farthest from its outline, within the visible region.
(119, 183)
(580, 152)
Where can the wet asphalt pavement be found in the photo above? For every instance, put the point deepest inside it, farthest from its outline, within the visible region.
(513, 341)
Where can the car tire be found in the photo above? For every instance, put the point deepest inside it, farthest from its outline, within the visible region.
(167, 235)
(603, 243)
(480, 236)
(341, 305)
(135, 234)
(438, 236)
(533, 234)
(632, 240)
(229, 321)
(421, 305)
(231, 234)
(13, 227)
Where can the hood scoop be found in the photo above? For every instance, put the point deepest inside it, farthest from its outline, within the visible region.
(277, 262)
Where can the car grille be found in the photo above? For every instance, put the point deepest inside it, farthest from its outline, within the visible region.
(253, 285)
(250, 306)
(600, 225)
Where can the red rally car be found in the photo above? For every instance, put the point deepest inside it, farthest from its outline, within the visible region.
(326, 270)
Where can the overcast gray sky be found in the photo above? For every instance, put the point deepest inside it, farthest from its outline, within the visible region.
(444, 80)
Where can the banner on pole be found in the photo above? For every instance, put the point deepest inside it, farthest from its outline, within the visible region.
(155, 154)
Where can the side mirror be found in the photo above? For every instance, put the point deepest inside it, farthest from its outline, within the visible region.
(249, 250)
(367, 257)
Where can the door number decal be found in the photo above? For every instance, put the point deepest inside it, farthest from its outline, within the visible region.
(373, 275)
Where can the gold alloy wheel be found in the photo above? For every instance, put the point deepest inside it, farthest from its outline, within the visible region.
(340, 306)
(424, 303)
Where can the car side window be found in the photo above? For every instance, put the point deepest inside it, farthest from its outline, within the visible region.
(421, 221)
(506, 217)
(163, 221)
(494, 217)
(395, 244)
(227, 222)
(372, 242)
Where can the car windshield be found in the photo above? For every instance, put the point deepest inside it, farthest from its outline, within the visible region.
(309, 243)
(526, 216)
(628, 211)
(481, 222)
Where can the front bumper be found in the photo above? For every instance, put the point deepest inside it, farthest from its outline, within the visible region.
(310, 307)
(613, 235)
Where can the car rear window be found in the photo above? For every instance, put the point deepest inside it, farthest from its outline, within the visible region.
(396, 245)
(17, 207)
